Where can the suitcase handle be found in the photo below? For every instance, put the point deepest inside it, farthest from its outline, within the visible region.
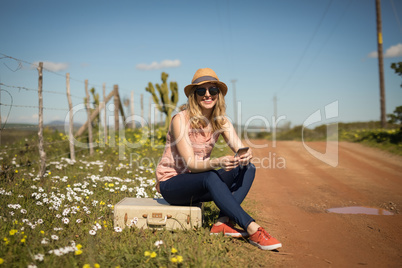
(157, 222)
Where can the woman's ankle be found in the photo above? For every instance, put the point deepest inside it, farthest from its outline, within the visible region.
(252, 228)
(221, 220)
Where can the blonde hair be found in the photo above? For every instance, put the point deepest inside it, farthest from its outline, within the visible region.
(198, 120)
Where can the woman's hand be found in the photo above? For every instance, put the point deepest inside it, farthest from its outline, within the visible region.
(228, 162)
(245, 158)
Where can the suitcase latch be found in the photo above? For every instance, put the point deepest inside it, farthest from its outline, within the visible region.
(157, 215)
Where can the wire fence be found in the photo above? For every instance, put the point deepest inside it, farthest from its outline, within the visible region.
(55, 103)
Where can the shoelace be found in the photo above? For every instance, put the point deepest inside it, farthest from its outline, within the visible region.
(265, 234)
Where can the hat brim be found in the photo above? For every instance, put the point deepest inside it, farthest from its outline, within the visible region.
(222, 87)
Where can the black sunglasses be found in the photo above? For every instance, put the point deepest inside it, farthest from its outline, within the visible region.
(201, 91)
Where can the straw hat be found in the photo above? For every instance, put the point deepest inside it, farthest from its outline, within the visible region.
(205, 75)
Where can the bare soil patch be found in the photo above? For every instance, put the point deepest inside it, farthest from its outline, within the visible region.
(292, 205)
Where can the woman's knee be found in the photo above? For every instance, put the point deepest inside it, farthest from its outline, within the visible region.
(213, 179)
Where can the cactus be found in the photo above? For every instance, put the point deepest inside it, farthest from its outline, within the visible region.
(166, 104)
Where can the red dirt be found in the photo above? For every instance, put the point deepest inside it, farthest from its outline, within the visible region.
(293, 202)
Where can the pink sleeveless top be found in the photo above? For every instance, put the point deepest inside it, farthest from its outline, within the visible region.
(172, 163)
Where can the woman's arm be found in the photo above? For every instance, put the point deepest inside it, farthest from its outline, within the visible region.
(234, 142)
(180, 127)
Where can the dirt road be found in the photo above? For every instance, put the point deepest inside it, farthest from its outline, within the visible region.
(290, 198)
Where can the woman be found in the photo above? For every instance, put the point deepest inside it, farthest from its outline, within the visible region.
(187, 175)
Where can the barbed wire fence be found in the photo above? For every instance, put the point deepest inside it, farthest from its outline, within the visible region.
(91, 112)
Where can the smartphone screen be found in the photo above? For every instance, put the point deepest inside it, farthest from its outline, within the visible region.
(241, 151)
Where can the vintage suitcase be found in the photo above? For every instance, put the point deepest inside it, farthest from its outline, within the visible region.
(156, 214)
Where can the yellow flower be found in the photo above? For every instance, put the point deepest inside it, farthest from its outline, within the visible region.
(86, 266)
(50, 172)
(16, 171)
(23, 240)
(179, 258)
(147, 253)
(42, 232)
(79, 246)
(1, 261)
(13, 232)
(153, 254)
(78, 252)
(174, 259)
(96, 265)
(174, 250)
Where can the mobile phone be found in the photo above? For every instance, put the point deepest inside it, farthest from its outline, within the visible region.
(241, 151)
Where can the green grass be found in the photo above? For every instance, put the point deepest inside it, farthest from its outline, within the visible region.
(66, 218)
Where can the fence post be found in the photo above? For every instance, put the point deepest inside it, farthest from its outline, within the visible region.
(91, 149)
(132, 110)
(116, 107)
(42, 153)
(104, 113)
(70, 112)
(142, 110)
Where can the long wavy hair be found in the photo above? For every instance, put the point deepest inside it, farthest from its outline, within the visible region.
(198, 120)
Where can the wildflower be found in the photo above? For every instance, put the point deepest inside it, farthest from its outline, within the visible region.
(42, 232)
(23, 240)
(118, 229)
(179, 258)
(78, 252)
(92, 232)
(65, 220)
(1, 261)
(96, 265)
(174, 259)
(78, 221)
(40, 221)
(55, 237)
(147, 253)
(174, 250)
(86, 266)
(153, 254)
(158, 243)
(44, 241)
(39, 257)
(16, 171)
(6, 241)
(32, 266)
(13, 232)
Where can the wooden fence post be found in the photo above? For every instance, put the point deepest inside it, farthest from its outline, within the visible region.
(142, 110)
(91, 149)
(70, 112)
(42, 153)
(149, 112)
(132, 110)
(116, 107)
(104, 101)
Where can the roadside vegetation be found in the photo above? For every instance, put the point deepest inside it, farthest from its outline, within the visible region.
(66, 218)
(367, 133)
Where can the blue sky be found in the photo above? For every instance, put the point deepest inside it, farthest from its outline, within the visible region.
(309, 53)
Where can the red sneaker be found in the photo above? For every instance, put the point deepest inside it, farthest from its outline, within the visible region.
(228, 230)
(264, 240)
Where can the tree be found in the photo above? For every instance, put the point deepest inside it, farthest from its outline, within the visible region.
(166, 104)
(396, 117)
(398, 68)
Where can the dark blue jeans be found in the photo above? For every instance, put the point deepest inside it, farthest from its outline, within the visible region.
(226, 188)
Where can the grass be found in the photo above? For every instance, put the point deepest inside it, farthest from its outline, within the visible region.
(66, 218)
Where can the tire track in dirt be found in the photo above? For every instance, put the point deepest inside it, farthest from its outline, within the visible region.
(292, 202)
